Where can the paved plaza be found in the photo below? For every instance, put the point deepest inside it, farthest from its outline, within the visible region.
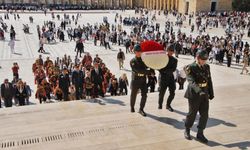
(107, 123)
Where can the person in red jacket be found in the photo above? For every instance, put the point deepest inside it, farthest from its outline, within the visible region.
(15, 69)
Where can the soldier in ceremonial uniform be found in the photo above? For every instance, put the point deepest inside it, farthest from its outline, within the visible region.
(167, 79)
(139, 73)
(199, 91)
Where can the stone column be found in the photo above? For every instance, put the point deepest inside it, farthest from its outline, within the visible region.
(169, 4)
(164, 4)
(172, 4)
(157, 4)
(161, 5)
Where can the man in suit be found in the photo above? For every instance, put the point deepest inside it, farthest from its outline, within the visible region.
(77, 81)
(7, 92)
(64, 83)
(97, 79)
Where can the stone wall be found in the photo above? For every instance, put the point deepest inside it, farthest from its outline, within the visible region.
(182, 6)
(225, 5)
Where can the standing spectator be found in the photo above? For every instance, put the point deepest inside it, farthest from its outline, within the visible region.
(28, 91)
(97, 59)
(77, 81)
(48, 89)
(237, 55)
(72, 92)
(7, 92)
(121, 58)
(11, 44)
(79, 48)
(181, 77)
(127, 45)
(97, 79)
(64, 84)
(229, 54)
(106, 42)
(21, 93)
(58, 93)
(113, 86)
(123, 83)
(12, 33)
(41, 49)
(88, 85)
(41, 94)
(15, 69)
(245, 62)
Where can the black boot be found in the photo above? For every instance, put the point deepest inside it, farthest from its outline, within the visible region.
(187, 134)
(169, 108)
(160, 107)
(132, 110)
(200, 137)
(141, 111)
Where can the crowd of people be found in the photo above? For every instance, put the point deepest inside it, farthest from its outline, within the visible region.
(17, 90)
(62, 7)
(81, 77)
(64, 79)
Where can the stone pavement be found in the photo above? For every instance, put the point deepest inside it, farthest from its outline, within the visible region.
(107, 123)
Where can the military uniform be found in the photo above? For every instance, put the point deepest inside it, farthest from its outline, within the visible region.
(168, 81)
(139, 73)
(199, 91)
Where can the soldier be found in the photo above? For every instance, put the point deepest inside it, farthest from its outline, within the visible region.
(199, 91)
(139, 73)
(168, 80)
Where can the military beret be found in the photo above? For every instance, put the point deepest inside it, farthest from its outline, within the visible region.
(171, 47)
(137, 48)
(202, 54)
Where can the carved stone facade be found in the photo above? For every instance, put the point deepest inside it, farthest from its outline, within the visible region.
(188, 6)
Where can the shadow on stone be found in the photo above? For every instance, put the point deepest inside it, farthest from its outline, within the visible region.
(110, 100)
(17, 53)
(211, 121)
(95, 100)
(241, 145)
(170, 121)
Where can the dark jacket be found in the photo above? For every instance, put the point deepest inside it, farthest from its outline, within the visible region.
(97, 78)
(64, 82)
(9, 93)
(196, 76)
(167, 72)
(139, 67)
(21, 95)
(79, 46)
(77, 78)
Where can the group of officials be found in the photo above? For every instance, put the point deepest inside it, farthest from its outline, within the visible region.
(199, 90)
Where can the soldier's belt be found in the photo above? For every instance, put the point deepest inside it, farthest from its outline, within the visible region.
(202, 85)
(140, 75)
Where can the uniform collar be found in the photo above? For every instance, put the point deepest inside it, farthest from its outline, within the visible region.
(198, 64)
